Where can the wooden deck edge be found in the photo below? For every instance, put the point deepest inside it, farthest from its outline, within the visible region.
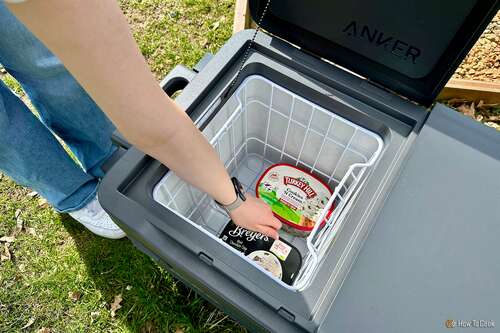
(488, 92)
(241, 16)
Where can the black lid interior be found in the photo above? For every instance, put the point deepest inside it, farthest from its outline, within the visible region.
(411, 47)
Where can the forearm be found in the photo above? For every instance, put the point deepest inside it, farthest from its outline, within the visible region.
(92, 39)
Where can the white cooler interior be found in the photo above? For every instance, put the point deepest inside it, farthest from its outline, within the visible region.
(264, 124)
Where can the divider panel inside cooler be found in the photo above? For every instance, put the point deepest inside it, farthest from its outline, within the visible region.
(263, 124)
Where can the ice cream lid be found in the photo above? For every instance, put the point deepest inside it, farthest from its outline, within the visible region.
(296, 197)
(278, 257)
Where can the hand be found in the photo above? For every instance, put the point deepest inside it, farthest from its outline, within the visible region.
(254, 214)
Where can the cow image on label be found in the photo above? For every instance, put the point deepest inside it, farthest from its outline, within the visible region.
(397, 47)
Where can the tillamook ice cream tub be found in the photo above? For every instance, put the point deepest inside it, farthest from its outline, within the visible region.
(296, 197)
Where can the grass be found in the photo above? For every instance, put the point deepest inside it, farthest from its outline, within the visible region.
(175, 31)
(59, 257)
(12, 84)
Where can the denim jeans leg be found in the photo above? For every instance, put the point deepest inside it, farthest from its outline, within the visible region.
(29, 153)
(64, 106)
(32, 156)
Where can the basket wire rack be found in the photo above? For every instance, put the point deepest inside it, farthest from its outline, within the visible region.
(264, 124)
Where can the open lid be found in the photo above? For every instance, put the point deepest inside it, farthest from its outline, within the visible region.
(408, 46)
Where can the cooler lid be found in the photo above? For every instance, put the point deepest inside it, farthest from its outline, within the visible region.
(410, 47)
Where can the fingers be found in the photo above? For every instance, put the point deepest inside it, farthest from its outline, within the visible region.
(267, 231)
(270, 220)
(259, 217)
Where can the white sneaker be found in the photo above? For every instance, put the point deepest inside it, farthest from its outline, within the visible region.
(94, 218)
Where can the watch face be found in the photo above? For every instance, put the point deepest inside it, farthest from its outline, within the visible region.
(239, 188)
(242, 195)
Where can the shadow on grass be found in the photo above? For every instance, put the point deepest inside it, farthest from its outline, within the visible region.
(153, 301)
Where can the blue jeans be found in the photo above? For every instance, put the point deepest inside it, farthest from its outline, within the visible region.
(29, 152)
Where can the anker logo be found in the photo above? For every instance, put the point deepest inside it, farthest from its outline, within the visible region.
(377, 38)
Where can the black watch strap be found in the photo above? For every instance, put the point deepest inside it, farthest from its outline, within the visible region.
(240, 197)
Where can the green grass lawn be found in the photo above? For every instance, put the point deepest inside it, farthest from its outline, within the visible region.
(62, 277)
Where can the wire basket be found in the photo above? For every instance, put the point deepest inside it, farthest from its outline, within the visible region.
(263, 124)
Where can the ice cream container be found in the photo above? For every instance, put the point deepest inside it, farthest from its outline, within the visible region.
(296, 197)
(278, 257)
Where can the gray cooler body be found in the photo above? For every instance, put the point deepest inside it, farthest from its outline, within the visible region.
(411, 242)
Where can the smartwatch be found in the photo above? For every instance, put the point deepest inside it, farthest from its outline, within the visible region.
(240, 197)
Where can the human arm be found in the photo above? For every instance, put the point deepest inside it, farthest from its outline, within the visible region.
(93, 40)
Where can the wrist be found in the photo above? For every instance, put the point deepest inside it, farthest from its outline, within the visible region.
(228, 194)
(228, 200)
(238, 197)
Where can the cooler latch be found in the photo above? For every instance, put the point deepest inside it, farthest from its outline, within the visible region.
(286, 314)
(206, 259)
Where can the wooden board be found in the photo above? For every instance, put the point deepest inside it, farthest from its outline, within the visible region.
(488, 92)
(242, 19)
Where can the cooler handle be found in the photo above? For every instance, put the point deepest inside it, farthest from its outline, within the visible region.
(177, 79)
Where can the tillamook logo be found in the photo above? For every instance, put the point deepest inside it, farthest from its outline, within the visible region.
(376, 38)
